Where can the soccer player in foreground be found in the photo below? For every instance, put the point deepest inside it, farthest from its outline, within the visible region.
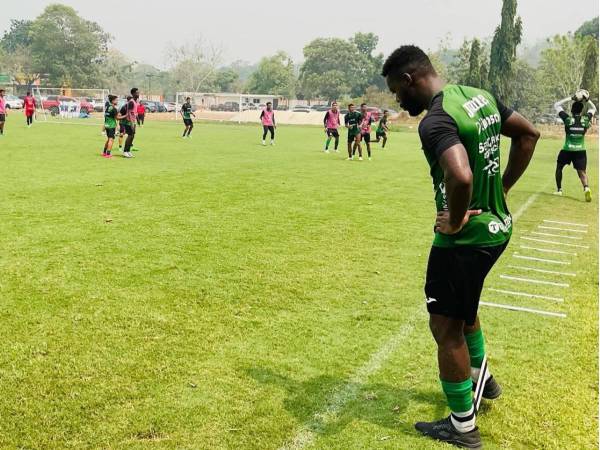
(331, 122)
(186, 113)
(460, 136)
(382, 129)
(29, 105)
(352, 122)
(267, 117)
(365, 127)
(573, 151)
(111, 115)
(130, 122)
(2, 112)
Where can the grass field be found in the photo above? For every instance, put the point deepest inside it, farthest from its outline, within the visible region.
(215, 294)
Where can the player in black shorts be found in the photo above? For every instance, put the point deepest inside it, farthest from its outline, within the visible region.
(123, 113)
(186, 113)
(382, 129)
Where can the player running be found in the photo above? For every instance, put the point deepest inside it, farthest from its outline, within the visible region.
(573, 150)
(352, 122)
(365, 127)
(130, 122)
(29, 106)
(186, 113)
(382, 129)
(2, 112)
(331, 122)
(111, 115)
(473, 224)
(141, 114)
(267, 117)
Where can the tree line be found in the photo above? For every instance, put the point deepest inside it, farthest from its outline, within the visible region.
(60, 48)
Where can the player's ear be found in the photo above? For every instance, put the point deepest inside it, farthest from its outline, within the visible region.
(407, 78)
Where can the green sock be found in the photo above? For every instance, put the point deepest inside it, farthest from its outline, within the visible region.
(460, 398)
(327, 143)
(475, 343)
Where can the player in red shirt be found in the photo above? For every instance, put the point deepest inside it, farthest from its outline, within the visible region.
(29, 106)
(141, 114)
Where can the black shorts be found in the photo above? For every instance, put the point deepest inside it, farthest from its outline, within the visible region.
(579, 159)
(2, 117)
(110, 132)
(366, 137)
(380, 134)
(332, 132)
(352, 137)
(121, 129)
(129, 129)
(188, 122)
(455, 279)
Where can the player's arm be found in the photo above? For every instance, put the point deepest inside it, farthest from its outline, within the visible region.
(439, 135)
(325, 120)
(524, 137)
(558, 107)
(591, 109)
(274, 124)
(346, 121)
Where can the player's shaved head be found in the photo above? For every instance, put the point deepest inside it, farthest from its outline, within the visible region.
(577, 108)
(407, 59)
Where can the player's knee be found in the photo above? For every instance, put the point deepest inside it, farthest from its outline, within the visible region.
(447, 332)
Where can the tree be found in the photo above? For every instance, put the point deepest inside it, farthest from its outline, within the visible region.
(503, 52)
(589, 28)
(469, 64)
(589, 78)
(274, 75)
(227, 80)
(17, 36)
(193, 66)
(474, 75)
(69, 49)
(116, 72)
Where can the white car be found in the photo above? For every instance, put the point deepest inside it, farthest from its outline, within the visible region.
(170, 106)
(13, 102)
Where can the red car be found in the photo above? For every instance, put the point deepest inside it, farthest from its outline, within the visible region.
(52, 104)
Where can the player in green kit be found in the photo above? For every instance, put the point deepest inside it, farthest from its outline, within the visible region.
(186, 114)
(111, 115)
(573, 151)
(352, 121)
(382, 129)
(460, 136)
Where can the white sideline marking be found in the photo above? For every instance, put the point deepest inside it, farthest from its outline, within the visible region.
(547, 250)
(566, 223)
(99, 124)
(533, 258)
(539, 233)
(347, 392)
(525, 294)
(306, 435)
(572, 230)
(553, 242)
(519, 308)
(531, 280)
(554, 272)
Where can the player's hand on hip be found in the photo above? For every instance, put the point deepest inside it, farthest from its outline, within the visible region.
(443, 225)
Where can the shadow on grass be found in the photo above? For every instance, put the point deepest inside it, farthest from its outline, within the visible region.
(326, 405)
(565, 197)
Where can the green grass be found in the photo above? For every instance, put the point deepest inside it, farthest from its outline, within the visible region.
(215, 294)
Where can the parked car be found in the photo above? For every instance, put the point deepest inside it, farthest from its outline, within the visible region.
(302, 109)
(150, 106)
(281, 108)
(52, 104)
(321, 108)
(98, 104)
(170, 106)
(13, 102)
(160, 107)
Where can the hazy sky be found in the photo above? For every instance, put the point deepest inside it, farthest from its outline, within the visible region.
(249, 29)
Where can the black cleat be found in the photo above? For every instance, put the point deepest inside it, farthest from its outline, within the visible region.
(491, 390)
(444, 431)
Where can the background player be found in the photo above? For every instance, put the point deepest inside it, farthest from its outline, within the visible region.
(573, 150)
(352, 123)
(186, 113)
(2, 112)
(130, 122)
(29, 106)
(382, 129)
(473, 224)
(365, 127)
(111, 115)
(122, 114)
(267, 117)
(331, 122)
(141, 114)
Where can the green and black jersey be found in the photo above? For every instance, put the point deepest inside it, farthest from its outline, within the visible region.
(123, 112)
(575, 129)
(186, 111)
(471, 117)
(352, 120)
(110, 117)
(382, 125)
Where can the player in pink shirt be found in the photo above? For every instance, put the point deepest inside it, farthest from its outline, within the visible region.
(331, 122)
(365, 127)
(267, 117)
(29, 106)
(2, 112)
